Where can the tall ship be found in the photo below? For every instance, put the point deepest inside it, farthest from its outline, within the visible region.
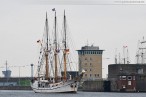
(52, 73)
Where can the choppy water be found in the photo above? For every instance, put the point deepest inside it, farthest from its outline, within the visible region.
(14, 93)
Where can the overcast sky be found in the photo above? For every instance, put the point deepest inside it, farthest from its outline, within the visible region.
(105, 24)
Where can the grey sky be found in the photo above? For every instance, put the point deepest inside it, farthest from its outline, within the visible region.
(107, 26)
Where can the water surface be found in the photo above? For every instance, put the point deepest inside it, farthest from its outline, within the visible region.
(21, 93)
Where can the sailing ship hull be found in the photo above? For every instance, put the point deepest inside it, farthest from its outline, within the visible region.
(61, 87)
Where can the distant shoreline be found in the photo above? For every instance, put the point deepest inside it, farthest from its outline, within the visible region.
(15, 88)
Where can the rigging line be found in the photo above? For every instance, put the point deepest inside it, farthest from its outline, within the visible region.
(59, 71)
(42, 49)
(61, 68)
(70, 36)
(61, 63)
(44, 37)
(71, 66)
(41, 65)
(72, 60)
(42, 57)
(73, 49)
(51, 64)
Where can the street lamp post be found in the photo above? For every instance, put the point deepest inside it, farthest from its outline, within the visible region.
(31, 71)
(19, 74)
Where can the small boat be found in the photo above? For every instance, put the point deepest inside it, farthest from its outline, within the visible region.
(52, 73)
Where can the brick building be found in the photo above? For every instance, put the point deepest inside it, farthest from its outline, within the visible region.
(90, 60)
(127, 77)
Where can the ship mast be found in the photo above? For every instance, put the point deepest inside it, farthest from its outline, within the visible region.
(116, 56)
(46, 52)
(142, 51)
(56, 50)
(6, 67)
(65, 47)
(6, 75)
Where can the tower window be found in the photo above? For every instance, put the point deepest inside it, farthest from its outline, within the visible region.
(123, 77)
(129, 77)
(90, 58)
(90, 64)
(96, 75)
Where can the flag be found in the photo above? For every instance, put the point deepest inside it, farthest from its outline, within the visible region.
(67, 50)
(53, 9)
(38, 41)
(57, 50)
(124, 46)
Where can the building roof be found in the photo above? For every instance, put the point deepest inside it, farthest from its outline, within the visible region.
(92, 48)
(127, 64)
